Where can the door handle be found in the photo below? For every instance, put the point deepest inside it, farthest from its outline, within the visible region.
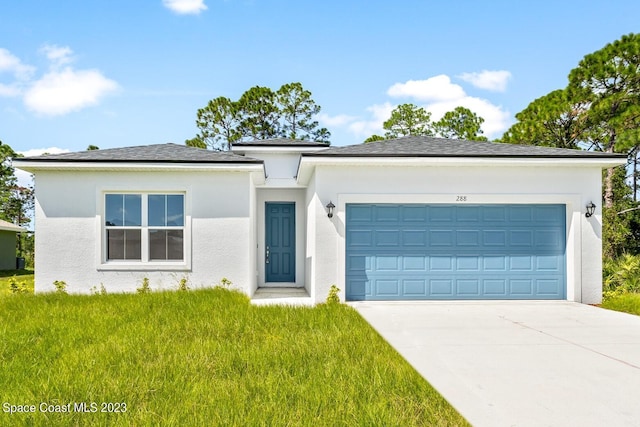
(266, 259)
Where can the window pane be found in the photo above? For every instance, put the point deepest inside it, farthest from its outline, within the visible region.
(132, 244)
(115, 246)
(175, 210)
(175, 244)
(124, 244)
(157, 203)
(157, 244)
(132, 210)
(113, 209)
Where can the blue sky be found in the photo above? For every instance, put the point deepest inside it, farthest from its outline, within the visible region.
(116, 73)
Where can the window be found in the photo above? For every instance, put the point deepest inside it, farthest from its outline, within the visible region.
(144, 227)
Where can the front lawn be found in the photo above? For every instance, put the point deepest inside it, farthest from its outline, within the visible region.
(203, 357)
(629, 303)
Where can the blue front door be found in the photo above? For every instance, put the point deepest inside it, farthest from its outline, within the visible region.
(280, 242)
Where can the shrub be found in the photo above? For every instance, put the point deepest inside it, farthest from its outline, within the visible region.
(17, 287)
(183, 284)
(334, 295)
(621, 276)
(225, 283)
(144, 288)
(61, 286)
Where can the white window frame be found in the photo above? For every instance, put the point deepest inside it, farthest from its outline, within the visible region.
(145, 263)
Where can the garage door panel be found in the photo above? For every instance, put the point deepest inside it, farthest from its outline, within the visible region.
(468, 238)
(494, 288)
(442, 238)
(468, 287)
(441, 287)
(414, 287)
(455, 251)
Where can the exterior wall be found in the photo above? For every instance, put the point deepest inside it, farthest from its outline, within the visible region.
(218, 223)
(7, 250)
(278, 165)
(572, 186)
(281, 195)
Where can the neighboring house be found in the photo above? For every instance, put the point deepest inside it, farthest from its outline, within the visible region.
(413, 218)
(8, 233)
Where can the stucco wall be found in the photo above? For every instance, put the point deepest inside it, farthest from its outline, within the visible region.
(7, 250)
(572, 186)
(69, 221)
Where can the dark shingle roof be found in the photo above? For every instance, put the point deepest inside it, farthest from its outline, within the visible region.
(425, 146)
(280, 142)
(169, 153)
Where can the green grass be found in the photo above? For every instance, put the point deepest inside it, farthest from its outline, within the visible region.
(629, 303)
(205, 357)
(21, 275)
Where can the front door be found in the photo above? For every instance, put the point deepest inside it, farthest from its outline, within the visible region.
(280, 242)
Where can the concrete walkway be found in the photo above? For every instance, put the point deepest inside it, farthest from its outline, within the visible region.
(520, 363)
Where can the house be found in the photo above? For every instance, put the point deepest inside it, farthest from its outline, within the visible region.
(409, 218)
(8, 235)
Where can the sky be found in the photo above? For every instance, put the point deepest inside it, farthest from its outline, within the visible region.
(115, 73)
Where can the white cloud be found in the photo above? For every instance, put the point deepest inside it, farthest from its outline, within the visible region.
(61, 92)
(339, 120)
(365, 128)
(185, 7)
(437, 95)
(490, 80)
(496, 120)
(11, 63)
(58, 55)
(437, 88)
(40, 151)
(9, 90)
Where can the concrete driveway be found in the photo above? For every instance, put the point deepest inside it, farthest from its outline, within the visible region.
(520, 363)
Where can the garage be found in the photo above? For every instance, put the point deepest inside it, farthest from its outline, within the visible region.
(447, 252)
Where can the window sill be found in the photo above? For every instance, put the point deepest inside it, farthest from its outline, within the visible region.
(144, 266)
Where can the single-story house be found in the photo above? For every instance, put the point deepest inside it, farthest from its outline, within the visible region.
(8, 236)
(403, 219)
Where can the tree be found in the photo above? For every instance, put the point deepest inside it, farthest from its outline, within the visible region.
(219, 124)
(7, 177)
(196, 142)
(551, 121)
(608, 82)
(374, 138)
(461, 123)
(408, 119)
(297, 110)
(92, 147)
(260, 113)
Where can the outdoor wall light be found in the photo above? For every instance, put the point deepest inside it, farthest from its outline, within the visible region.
(330, 207)
(591, 208)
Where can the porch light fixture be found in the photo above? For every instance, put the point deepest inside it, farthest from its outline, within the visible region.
(330, 207)
(591, 208)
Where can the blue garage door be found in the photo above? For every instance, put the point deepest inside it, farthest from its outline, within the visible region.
(414, 252)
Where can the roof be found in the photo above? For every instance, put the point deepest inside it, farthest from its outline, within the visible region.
(280, 142)
(426, 146)
(169, 153)
(7, 226)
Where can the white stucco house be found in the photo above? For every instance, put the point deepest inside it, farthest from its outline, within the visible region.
(410, 218)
